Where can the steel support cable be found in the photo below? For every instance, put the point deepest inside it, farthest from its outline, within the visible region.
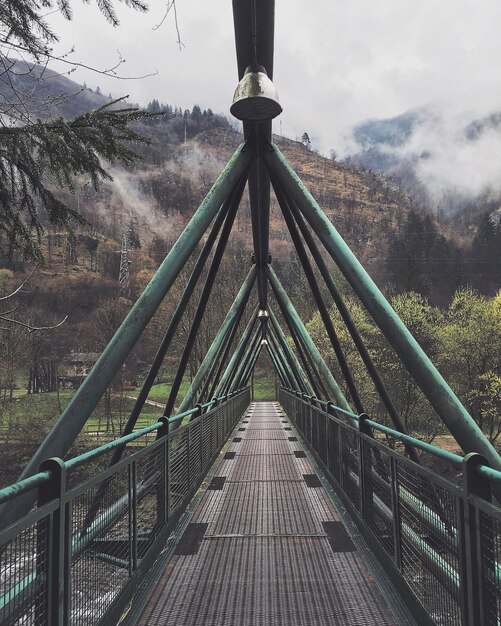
(290, 353)
(233, 204)
(231, 382)
(170, 332)
(239, 301)
(321, 306)
(85, 400)
(220, 361)
(318, 383)
(218, 358)
(279, 363)
(235, 382)
(252, 365)
(159, 357)
(314, 378)
(292, 375)
(287, 305)
(352, 329)
(445, 402)
(235, 359)
(291, 224)
(282, 380)
(308, 376)
(240, 373)
(287, 365)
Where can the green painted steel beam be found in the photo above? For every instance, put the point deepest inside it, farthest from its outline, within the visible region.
(287, 306)
(290, 353)
(286, 380)
(286, 375)
(252, 365)
(237, 354)
(291, 373)
(447, 405)
(169, 334)
(254, 344)
(319, 300)
(85, 400)
(219, 366)
(240, 301)
(352, 329)
(235, 381)
(283, 382)
(232, 202)
(289, 377)
(319, 389)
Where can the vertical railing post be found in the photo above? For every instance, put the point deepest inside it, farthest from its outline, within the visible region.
(304, 418)
(395, 509)
(313, 442)
(51, 545)
(133, 512)
(130, 517)
(329, 436)
(188, 458)
(213, 429)
(162, 504)
(364, 468)
(481, 604)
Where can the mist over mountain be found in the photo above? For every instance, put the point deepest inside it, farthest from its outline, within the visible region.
(448, 162)
(418, 202)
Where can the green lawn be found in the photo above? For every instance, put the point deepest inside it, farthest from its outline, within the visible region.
(160, 392)
(42, 410)
(264, 389)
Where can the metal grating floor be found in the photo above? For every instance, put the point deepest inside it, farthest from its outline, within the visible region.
(265, 558)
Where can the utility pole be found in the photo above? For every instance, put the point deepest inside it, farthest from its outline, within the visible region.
(123, 276)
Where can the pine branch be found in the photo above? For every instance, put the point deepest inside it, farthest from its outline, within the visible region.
(37, 159)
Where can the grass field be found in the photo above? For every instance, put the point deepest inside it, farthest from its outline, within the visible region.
(29, 417)
(264, 389)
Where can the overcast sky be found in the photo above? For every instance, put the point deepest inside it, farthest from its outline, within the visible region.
(336, 62)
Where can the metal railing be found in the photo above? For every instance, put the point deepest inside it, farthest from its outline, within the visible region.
(77, 557)
(441, 540)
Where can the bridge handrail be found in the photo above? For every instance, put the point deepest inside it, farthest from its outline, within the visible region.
(125, 527)
(482, 470)
(41, 478)
(438, 533)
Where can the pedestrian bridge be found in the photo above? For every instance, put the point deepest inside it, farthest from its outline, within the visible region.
(254, 513)
(227, 512)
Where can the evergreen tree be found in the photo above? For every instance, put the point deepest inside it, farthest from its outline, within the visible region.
(305, 139)
(420, 259)
(486, 249)
(38, 157)
(196, 114)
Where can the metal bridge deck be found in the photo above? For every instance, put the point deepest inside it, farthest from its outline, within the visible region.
(265, 544)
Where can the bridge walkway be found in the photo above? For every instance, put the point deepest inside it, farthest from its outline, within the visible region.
(265, 544)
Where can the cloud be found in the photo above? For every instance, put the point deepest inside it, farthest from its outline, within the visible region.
(336, 64)
(450, 161)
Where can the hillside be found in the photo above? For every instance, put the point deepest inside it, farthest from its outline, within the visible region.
(40, 91)
(187, 151)
(402, 247)
(446, 162)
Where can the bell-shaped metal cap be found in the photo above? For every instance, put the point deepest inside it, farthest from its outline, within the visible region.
(256, 98)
